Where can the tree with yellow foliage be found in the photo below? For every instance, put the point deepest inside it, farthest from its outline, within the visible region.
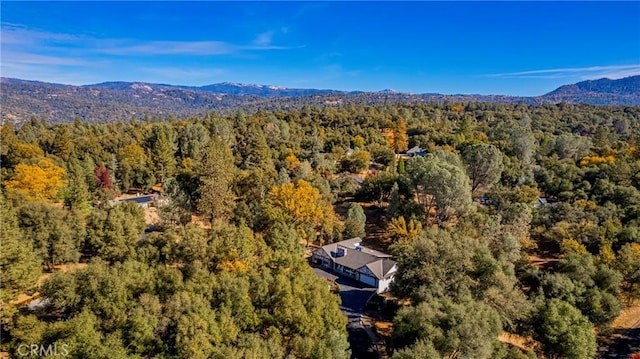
(596, 160)
(293, 163)
(39, 182)
(397, 137)
(302, 205)
(401, 231)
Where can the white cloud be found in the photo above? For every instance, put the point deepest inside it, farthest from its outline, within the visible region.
(13, 34)
(585, 73)
(123, 47)
(76, 59)
(30, 41)
(35, 59)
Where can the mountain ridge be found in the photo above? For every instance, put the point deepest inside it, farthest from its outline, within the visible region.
(118, 100)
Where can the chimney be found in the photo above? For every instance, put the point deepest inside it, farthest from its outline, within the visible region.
(341, 251)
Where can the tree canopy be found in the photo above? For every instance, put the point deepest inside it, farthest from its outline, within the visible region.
(502, 189)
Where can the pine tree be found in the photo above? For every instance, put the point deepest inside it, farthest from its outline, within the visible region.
(401, 169)
(163, 150)
(217, 173)
(394, 201)
(19, 265)
(354, 226)
(77, 196)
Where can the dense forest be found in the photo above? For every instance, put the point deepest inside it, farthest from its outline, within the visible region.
(520, 219)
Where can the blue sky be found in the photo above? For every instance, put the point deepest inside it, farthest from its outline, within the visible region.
(513, 48)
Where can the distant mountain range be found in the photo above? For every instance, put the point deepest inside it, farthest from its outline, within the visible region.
(115, 101)
(625, 91)
(226, 88)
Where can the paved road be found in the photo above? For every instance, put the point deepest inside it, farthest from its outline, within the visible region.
(626, 342)
(355, 296)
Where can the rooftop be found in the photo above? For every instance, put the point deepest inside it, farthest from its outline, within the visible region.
(357, 256)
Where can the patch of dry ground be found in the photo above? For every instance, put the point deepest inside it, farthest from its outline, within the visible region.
(151, 216)
(629, 318)
(524, 343)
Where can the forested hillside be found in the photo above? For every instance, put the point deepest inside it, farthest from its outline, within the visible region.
(599, 92)
(518, 218)
(117, 101)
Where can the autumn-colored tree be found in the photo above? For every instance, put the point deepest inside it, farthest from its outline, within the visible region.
(596, 160)
(402, 231)
(39, 182)
(292, 161)
(302, 205)
(301, 201)
(103, 177)
(397, 137)
(458, 108)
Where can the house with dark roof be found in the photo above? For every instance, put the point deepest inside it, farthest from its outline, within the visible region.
(416, 151)
(350, 259)
(144, 201)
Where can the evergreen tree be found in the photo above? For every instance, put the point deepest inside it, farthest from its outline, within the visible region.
(441, 185)
(283, 176)
(217, 173)
(163, 151)
(19, 264)
(354, 225)
(564, 331)
(401, 166)
(48, 228)
(484, 165)
(77, 196)
(192, 139)
(112, 234)
(394, 201)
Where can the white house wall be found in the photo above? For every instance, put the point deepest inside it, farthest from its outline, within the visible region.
(383, 284)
